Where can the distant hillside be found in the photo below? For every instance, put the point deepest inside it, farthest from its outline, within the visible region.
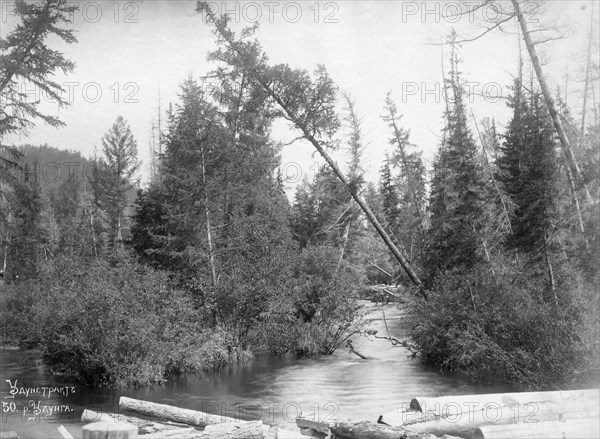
(54, 166)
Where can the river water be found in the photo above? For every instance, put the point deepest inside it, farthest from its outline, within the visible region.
(270, 388)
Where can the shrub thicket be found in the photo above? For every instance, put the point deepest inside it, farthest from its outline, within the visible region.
(318, 312)
(496, 324)
(112, 322)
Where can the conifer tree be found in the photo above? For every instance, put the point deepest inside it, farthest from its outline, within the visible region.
(26, 57)
(118, 169)
(457, 189)
(388, 193)
(23, 252)
(529, 171)
(309, 104)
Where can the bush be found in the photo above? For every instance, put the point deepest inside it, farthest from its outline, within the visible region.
(113, 322)
(317, 312)
(16, 301)
(505, 327)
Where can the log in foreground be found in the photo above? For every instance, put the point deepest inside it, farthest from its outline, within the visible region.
(580, 429)
(464, 419)
(146, 426)
(174, 414)
(424, 404)
(238, 430)
(371, 430)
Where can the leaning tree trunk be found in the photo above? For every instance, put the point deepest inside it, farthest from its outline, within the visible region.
(396, 251)
(587, 79)
(398, 254)
(562, 135)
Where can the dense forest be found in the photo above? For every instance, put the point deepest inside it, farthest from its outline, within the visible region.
(120, 285)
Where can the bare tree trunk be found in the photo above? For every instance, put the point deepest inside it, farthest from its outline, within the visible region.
(587, 78)
(580, 225)
(91, 215)
(345, 242)
(564, 140)
(211, 257)
(398, 253)
(492, 177)
(119, 235)
(379, 268)
(550, 270)
(5, 260)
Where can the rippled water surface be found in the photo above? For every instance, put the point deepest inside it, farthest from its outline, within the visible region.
(274, 389)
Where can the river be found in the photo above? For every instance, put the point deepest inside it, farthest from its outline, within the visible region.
(270, 388)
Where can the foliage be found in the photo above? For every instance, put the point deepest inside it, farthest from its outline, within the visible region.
(457, 202)
(23, 236)
(407, 215)
(113, 322)
(529, 171)
(16, 302)
(114, 173)
(321, 210)
(318, 313)
(498, 329)
(219, 217)
(26, 57)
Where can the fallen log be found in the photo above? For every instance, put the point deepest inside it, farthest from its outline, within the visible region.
(231, 430)
(423, 404)
(465, 421)
(146, 426)
(371, 430)
(350, 346)
(582, 428)
(171, 413)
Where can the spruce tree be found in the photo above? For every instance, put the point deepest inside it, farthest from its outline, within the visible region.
(457, 189)
(24, 249)
(118, 169)
(388, 193)
(26, 57)
(529, 172)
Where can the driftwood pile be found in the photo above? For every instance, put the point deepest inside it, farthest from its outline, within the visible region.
(151, 420)
(561, 414)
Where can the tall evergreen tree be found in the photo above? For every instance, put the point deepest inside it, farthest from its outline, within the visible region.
(219, 218)
(118, 169)
(388, 193)
(457, 189)
(529, 171)
(27, 236)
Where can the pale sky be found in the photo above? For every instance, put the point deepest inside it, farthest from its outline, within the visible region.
(127, 50)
